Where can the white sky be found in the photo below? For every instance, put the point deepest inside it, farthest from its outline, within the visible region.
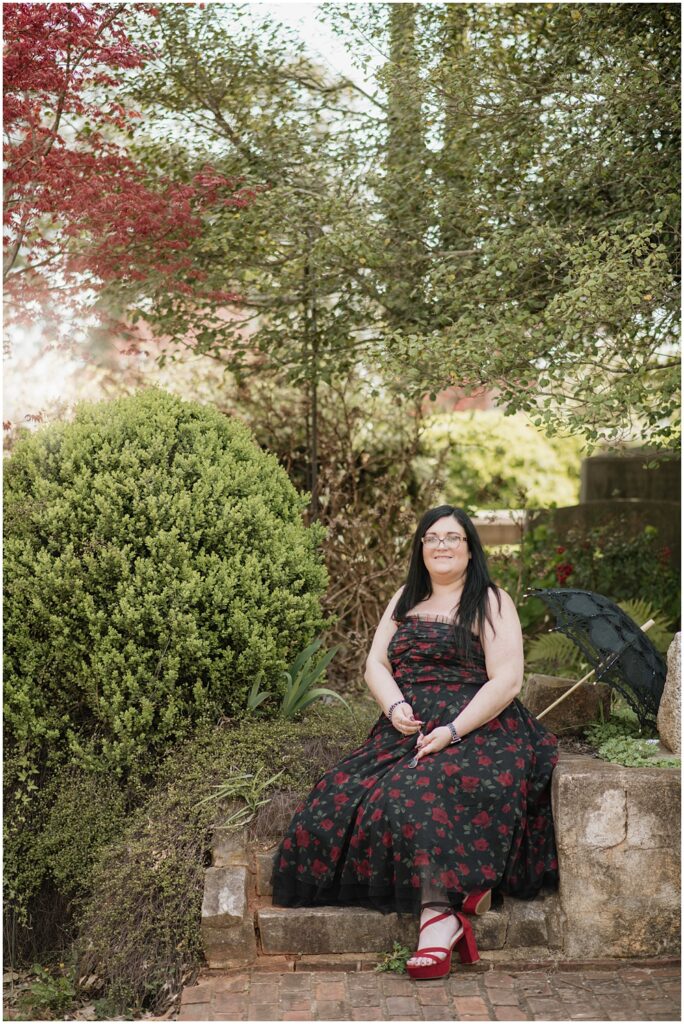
(318, 37)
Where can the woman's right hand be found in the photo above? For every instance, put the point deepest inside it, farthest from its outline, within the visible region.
(404, 720)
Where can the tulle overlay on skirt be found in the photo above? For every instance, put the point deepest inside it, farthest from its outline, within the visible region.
(375, 833)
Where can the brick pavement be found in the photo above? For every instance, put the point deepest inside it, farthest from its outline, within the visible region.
(602, 991)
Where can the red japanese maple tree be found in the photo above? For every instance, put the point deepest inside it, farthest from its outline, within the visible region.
(79, 211)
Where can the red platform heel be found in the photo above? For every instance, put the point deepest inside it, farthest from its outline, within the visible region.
(464, 942)
(477, 902)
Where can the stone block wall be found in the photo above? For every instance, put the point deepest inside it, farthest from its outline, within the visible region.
(618, 838)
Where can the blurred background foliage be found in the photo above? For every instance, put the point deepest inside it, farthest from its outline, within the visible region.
(490, 459)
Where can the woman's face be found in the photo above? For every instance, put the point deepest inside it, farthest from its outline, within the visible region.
(447, 561)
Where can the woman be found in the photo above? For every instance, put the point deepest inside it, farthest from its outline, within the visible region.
(449, 795)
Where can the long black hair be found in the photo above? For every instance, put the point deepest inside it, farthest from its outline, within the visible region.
(473, 607)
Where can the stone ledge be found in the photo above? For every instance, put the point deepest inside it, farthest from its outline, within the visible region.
(537, 922)
(227, 925)
(337, 930)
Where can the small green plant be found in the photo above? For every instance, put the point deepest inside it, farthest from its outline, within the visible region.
(255, 696)
(395, 960)
(620, 740)
(48, 997)
(557, 654)
(246, 786)
(300, 677)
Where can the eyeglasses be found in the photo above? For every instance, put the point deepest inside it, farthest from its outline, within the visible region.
(452, 540)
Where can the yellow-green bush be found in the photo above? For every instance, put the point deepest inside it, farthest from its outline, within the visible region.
(491, 458)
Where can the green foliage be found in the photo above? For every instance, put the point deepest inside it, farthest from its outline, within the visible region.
(155, 562)
(555, 654)
(634, 570)
(529, 564)
(491, 459)
(86, 814)
(640, 611)
(395, 961)
(622, 565)
(139, 936)
(553, 251)
(290, 254)
(52, 857)
(247, 787)
(621, 740)
(300, 677)
(497, 207)
(48, 997)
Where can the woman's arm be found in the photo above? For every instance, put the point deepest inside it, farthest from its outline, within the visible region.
(378, 674)
(505, 667)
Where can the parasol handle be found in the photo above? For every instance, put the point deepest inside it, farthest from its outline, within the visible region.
(646, 626)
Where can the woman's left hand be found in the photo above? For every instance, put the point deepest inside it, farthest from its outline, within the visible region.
(433, 741)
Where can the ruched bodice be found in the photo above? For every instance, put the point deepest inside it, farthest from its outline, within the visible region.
(423, 648)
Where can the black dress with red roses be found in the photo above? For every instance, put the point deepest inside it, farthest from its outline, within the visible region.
(374, 832)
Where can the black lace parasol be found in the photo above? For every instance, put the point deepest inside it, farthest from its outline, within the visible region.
(614, 645)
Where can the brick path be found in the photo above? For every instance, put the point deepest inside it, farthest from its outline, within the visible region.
(555, 991)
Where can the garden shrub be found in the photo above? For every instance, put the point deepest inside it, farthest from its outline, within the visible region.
(156, 561)
(498, 461)
(49, 862)
(606, 559)
(622, 565)
(139, 939)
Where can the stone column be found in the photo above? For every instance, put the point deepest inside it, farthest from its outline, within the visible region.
(669, 722)
(617, 834)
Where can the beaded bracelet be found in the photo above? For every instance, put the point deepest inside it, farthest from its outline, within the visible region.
(395, 705)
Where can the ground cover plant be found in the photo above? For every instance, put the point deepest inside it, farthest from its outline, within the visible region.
(137, 935)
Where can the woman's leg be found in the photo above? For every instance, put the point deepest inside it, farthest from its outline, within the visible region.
(433, 903)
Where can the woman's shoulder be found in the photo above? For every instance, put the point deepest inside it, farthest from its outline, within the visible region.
(497, 594)
(390, 609)
(501, 609)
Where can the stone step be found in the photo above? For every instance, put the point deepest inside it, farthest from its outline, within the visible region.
(239, 922)
(617, 832)
(325, 930)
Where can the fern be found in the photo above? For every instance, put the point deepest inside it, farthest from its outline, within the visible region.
(556, 654)
(641, 611)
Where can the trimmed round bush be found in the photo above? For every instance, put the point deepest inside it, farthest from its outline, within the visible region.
(156, 564)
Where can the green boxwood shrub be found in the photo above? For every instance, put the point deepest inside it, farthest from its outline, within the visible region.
(156, 561)
(49, 862)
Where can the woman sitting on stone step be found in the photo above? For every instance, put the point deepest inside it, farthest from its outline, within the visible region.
(448, 798)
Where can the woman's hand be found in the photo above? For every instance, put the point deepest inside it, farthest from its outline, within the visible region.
(433, 741)
(405, 721)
